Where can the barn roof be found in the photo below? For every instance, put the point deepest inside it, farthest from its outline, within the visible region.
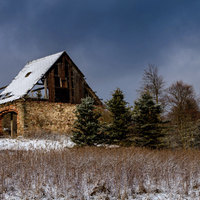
(32, 72)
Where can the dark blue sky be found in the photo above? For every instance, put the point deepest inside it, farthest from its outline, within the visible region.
(111, 41)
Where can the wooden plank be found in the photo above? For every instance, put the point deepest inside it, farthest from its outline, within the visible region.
(76, 87)
(51, 85)
(70, 84)
(63, 69)
(11, 125)
(59, 69)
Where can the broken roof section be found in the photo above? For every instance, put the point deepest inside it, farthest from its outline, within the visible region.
(27, 78)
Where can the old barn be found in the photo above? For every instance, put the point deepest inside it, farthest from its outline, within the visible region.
(43, 96)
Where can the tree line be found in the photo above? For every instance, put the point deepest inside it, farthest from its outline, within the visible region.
(162, 117)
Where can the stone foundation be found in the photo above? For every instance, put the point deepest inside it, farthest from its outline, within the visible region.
(35, 114)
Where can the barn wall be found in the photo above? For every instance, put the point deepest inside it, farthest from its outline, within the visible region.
(32, 115)
(51, 116)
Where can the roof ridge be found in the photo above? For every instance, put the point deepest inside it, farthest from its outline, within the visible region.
(39, 59)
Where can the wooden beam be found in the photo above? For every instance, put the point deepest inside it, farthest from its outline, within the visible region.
(11, 125)
(37, 89)
(70, 84)
(39, 84)
(51, 85)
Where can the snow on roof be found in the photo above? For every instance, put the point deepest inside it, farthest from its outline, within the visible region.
(32, 72)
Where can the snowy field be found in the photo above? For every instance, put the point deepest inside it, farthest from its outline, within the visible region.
(30, 144)
(47, 169)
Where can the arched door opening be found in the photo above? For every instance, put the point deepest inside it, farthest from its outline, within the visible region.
(9, 124)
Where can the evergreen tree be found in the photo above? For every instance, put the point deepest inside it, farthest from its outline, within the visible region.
(147, 121)
(87, 128)
(121, 117)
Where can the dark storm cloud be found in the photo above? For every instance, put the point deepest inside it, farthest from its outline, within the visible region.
(110, 41)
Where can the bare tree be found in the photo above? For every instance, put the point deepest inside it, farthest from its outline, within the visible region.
(183, 111)
(153, 83)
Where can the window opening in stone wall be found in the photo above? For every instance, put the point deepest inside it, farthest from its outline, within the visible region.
(9, 123)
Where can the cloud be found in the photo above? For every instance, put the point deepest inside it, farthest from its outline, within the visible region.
(110, 41)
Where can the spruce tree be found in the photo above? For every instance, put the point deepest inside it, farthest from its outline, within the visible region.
(147, 122)
(121, 118)
(87, 128)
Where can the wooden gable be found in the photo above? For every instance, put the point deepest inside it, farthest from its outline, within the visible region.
(66, 83)
(56, 76)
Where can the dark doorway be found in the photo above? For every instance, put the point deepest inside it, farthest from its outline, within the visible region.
(9, 123)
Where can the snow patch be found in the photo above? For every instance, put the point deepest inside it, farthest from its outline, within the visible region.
(21, 143)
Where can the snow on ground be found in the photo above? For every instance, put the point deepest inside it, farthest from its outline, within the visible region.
(21, 143)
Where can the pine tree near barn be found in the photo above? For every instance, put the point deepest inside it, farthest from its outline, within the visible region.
(121, 118)
(87, 128)
(147, 122)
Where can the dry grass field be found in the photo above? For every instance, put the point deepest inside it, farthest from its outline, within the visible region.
(100, 173)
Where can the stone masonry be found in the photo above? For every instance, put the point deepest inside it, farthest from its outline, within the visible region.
(40, 114)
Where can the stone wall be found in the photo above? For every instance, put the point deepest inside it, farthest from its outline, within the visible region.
(50, 116)
(34, 114)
